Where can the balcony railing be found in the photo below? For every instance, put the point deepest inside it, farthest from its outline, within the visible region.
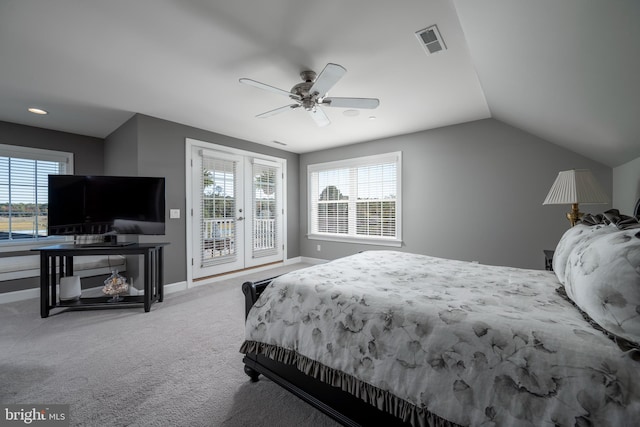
(218, 236)
(264, 234)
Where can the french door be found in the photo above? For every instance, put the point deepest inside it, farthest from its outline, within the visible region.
(237, 218)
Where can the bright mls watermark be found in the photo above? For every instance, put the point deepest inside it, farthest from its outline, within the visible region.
(34, 415)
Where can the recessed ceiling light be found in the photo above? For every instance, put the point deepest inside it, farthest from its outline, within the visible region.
(372, 118)
(37, 110)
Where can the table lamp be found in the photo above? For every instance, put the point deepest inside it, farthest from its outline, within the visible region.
(573, 187)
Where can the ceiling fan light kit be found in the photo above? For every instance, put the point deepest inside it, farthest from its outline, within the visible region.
(312, 93)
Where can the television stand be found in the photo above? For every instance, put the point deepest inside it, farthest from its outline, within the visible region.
(57, 261)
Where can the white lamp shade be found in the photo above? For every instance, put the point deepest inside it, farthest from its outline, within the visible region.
(575, 186)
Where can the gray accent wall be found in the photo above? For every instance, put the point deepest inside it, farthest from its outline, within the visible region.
(626, 186)
(158, 147)
(121, 157)
(87, 151)
(472, 192)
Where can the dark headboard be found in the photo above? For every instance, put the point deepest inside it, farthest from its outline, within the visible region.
(637, 211)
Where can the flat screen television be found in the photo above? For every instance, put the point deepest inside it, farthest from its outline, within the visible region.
(106, 205)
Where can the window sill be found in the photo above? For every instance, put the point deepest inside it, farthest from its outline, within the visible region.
(357, 240)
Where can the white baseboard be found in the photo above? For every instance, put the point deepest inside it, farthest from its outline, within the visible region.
(175, 287)
(313, 261)
(290, 261)
(32, 293)
(22, 295)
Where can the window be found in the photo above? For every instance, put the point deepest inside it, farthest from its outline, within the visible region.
(356, 200)
(24, 190)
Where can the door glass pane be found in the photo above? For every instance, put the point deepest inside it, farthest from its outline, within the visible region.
(218, 207)
(265, 210)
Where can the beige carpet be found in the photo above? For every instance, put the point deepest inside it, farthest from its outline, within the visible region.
(177, 365)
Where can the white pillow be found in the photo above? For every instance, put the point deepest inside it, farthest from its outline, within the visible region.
(603, 279)
(577, 236)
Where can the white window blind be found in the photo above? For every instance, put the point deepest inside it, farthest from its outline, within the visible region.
(265, 235)
(24, 190)
(356, 200)
(218, 210)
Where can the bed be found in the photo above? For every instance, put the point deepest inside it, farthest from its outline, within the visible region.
(393, 338)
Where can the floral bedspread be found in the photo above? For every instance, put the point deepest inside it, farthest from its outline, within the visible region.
(471, 343)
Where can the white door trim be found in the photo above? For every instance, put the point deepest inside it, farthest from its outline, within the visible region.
(189, 145)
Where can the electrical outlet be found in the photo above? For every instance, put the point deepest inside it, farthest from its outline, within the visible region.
(318, 248)
(174, 213)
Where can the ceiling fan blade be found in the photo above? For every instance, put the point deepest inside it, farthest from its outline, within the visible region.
(327, 78)
(319, 117)
(270, 88)
(351, 102)
(278, 111)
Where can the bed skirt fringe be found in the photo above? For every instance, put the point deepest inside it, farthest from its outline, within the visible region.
(383, 400)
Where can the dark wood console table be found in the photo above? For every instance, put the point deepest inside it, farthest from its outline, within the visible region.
(57, 261)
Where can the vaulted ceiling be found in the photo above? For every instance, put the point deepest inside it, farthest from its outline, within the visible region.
(564, 70)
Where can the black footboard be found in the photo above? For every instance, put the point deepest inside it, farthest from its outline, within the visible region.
(252, 291)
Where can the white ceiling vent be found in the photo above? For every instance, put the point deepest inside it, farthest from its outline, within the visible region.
(431, 40)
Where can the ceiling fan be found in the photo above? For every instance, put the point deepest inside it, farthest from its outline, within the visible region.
(312, 93)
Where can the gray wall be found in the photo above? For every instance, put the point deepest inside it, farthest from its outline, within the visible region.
(87, 151)
(160, 151)
(472, 192)
(626, 186)
(121, 157)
